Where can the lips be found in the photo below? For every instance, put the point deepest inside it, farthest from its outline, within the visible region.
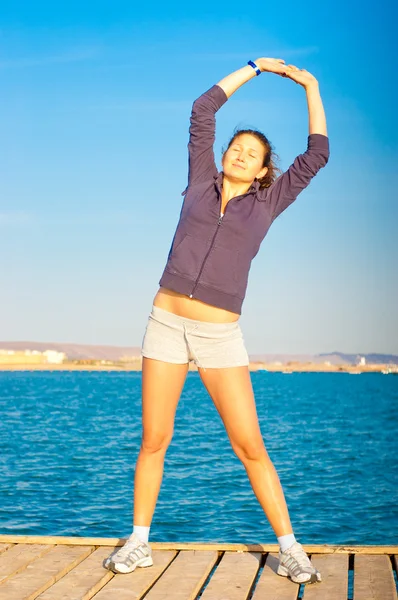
(238, 166)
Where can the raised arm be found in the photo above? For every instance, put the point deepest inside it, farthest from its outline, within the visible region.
(202, 123)
(234, 81)
(287, 187)
(202, 135)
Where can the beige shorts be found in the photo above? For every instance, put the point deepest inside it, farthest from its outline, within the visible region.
(176, 339)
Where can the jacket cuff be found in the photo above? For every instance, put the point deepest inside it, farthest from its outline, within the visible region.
(318, 141)
(217, 94)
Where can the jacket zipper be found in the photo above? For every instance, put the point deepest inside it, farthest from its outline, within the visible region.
(214, 237)
(208, 252)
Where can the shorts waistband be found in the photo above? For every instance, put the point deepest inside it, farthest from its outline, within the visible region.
(173, 319)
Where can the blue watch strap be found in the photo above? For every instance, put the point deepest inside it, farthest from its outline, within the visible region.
(255, 67)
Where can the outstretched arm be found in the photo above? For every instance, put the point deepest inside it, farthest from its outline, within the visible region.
(202, 131)
(236, 79)
(305, 166)
(316, 113)
(202, 123)
(317, 119)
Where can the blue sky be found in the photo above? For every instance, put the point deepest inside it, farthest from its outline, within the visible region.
(94, 113)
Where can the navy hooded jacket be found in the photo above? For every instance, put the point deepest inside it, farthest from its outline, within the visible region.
(210, 255)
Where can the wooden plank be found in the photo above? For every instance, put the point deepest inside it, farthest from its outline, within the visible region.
(82, 582)
(334, 584)
(62, 539)
(373, 578)
(233, 577)
(85, 541)
(16, 558)
(185, 576)
(272, 586)
(136, 584)
(334, 573)
(43, 572)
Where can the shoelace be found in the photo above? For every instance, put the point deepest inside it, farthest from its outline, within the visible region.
(132, 547)
(299, 555)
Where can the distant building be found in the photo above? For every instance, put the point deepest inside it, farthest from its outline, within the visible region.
(24, 357)
(54, 357)
(362, 361)
(20, 357)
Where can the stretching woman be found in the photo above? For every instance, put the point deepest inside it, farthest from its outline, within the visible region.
(224, 218)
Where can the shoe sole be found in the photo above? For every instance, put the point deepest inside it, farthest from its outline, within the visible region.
(145, 562)
(281, 570)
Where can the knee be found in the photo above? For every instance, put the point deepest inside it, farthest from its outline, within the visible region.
(251, 450)
(155, 442)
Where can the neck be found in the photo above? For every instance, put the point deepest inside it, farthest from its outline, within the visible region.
(231, 189)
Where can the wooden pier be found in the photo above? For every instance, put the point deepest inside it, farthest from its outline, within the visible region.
(70, 568)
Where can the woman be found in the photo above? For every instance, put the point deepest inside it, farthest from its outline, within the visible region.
(195, 312)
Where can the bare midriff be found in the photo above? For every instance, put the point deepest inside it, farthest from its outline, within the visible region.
(192, 308)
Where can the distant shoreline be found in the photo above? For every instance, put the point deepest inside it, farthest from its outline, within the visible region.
(284, 368)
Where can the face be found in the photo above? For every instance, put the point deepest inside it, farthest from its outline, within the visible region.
(243, 161)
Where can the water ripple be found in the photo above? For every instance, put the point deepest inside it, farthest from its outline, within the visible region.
(69, 442)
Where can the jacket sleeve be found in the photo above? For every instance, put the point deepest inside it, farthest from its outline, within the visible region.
(202, 135)
(285, 189)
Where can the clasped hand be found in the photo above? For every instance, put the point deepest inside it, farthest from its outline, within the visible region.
(278, 66)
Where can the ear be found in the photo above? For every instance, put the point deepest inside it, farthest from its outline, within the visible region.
(261, 173)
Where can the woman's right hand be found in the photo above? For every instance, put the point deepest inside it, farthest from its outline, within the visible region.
(272, 65)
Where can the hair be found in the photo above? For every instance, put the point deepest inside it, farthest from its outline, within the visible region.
(270, 157)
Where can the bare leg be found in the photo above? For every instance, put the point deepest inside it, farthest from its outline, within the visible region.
(232, 393)
(162, 384)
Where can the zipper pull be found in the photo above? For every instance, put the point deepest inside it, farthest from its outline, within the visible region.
(220, 219)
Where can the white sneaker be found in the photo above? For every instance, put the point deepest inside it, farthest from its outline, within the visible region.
(134, 553)
(294, 563)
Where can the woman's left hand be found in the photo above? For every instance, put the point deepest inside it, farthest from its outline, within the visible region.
(301, 76)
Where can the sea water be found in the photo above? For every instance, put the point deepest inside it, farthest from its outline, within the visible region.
(69, 442)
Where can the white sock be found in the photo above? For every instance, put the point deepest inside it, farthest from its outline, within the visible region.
(285, 541)
(142, 532)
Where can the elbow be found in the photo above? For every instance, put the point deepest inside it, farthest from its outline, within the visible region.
(311, 162)
(321, 161)
(196, 103)
(199, 112)
(323, 158)
(200, 103)
(318, 150)
(195, 109)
